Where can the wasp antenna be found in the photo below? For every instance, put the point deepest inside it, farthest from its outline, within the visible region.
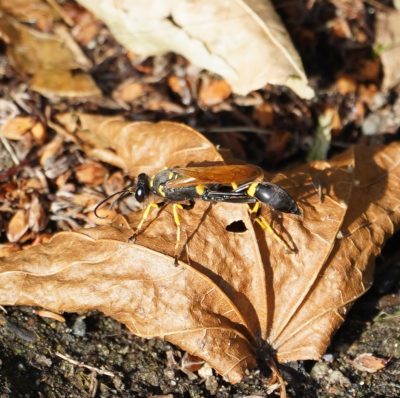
(122, 193)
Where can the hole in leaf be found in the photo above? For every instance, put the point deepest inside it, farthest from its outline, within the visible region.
(236, 227)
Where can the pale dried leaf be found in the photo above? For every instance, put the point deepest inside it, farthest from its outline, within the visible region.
(90, 173)
(17, 226)
(29, 10)
(51, 59)
(39, 132)
(15, 128)
(32, 50)
(64, 83)
(369, 363)
(213, 92)
(387, 45)
(244, 41)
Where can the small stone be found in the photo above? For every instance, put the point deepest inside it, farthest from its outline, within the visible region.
(371, 124)
(319, 371)
(338, 378)
(79, 327)
(205, 371)
(328, 358)
(211, 385)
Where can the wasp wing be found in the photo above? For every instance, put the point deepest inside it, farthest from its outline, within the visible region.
(221, 175)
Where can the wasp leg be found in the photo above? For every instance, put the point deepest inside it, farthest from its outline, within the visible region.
(255, 208)
(188, 206)
(145, 215)
(175, 208)
(265, 225)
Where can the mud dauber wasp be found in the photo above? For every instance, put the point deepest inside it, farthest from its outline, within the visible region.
(226, 183)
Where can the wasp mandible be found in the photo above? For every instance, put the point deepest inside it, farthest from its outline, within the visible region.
(227, 183)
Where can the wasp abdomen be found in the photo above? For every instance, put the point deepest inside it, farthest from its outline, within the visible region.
(276, 197)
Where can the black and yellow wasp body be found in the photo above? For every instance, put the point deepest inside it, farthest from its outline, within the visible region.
(232, 184)
(226, 183)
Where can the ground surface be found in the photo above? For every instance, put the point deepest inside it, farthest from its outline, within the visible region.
(99, 357)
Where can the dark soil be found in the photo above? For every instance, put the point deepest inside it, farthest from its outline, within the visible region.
(105, 360)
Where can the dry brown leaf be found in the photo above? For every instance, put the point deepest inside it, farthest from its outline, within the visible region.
(51, 59)
(91, 173)
(38, 11)
(39, 132)
(17, 226)
(136, 146)
(213, 92)
(264, 114)
(15, 128)
(64, 83)
(345, 84)
(231, 289)
(133, 285)
(8, 248)
(387, 41)
(369, 363)
(129, 91)
(243, 41)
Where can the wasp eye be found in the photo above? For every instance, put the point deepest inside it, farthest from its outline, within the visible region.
(140, 194)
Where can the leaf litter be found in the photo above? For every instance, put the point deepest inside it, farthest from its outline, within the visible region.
(230, 290)
(69, 205)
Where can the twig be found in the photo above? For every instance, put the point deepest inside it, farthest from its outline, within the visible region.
(82, 365)
(236, 129)
(10, 150)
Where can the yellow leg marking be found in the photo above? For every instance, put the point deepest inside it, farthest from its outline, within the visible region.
(234, 185)
(175, 208)
(146, 214)
(255, 208)
(251, 190)
(265, 225)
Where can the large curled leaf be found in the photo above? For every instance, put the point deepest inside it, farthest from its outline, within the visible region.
(98, 269)
(230, 288)
(243, 40)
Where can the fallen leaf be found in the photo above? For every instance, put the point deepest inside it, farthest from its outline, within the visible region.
(15, 128)
(51, 59)
(150, 290)
(136, 146)
(37, 219)
(213, 92)
(369, 363)
(31, 10)
(39, 133)
(203, 31)
(345, 84)
(8, 248)
(64, 83)
(264, 114)
(129, 91)
(231, 290)
(17, 226)
(90, 173)
(386, 45)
